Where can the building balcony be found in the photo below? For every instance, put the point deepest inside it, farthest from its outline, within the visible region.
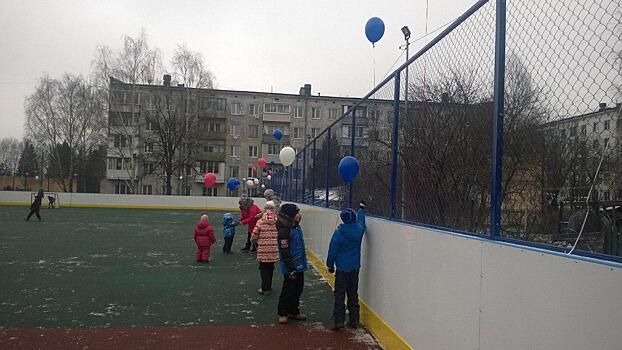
(212, 136)
(275, 117)
(124, 108)
(210, 156)
(269, 138)
(200, 178)
(118, 174)
(210, 114)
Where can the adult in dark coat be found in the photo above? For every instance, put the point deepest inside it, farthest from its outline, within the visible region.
(36, 206)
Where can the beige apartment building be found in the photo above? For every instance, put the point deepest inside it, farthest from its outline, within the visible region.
(230, 131)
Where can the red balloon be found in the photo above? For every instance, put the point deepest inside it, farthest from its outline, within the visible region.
(210, 179)
(261, 162)
(254, 169)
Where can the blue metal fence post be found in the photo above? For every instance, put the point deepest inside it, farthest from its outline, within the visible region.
(296, 176)
(304, 172)
(352, 152)
(394, 143)
(330, 135)
(313, 175)
(497, 122)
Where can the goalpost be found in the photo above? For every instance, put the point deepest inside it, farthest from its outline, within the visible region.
(51, 200)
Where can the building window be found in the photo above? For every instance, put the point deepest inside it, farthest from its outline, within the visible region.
(235, 150)
(280, 108)
(606, 195)
(250, 172)
(573, 131)
(274, 149)
(605, 142)
(583, 130)
(148, 147)
(210, 191)
(236, 109)
(595, 127)
(148, 125)
(297, 133)
(314, 132)
(212, 167)
(122, 141)
(214, 147)
(298, 112)
(374, 114)
(563, 133)
(148, 168)
(269, 129)
(235, 130)
(595, 144)
(315, 113)
(253, 131)
(213, 127)
(333, 113)
(253, 151)
(347, 131)
(234, 171)
(252, 109)
(147, 189)
(606, 125)
(121, 188)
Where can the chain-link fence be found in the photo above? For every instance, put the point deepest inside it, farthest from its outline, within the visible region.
(443, 141)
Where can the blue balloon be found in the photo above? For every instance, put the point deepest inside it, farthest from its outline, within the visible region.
(232, 184)
(272, 162)
(374, 29)
(277, 134)
(348, 168)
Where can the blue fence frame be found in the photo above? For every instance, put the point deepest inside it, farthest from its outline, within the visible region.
(288, 177)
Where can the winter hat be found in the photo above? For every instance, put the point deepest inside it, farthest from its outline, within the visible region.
(269, 192)
(269, 205)
(204, 217)
(348, 216)
(289, 209)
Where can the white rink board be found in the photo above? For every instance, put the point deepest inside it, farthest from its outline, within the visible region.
(430, 286)
(129, 200)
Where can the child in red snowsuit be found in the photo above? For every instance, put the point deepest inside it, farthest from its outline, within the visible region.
(204, 238)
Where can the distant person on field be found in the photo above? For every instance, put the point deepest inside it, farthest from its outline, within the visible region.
(249, 211)
(293, 262)
(51, 201)
(264, 236)
(204, 238)
(345, 252)
(36, 206)
(229, 224)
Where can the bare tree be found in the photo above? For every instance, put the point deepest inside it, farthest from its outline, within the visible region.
(65, 111)
(190, 68)
(173, 134)
(10, 151)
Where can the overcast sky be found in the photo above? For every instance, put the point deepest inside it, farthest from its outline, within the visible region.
(249, 45)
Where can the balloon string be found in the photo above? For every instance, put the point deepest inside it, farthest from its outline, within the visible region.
(374, 63)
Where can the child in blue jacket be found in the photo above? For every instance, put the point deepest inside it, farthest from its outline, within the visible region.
(229, 224)
(293, 262)
(344, 251)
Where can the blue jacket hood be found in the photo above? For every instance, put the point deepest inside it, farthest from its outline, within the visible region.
(344, 250)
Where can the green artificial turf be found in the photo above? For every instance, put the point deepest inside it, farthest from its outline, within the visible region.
(83, 267)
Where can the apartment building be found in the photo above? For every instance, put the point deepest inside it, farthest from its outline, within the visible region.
(591, 137)
(227, 131)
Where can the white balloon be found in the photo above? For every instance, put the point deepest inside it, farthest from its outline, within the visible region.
(249, 183)
(269, 177)
(263, 186)
(243, 179)
(287, 156)
(256, 181)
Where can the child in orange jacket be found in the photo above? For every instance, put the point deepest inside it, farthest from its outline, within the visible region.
(204, 238)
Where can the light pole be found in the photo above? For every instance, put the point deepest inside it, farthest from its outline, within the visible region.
(406, 33)
(179, 185)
